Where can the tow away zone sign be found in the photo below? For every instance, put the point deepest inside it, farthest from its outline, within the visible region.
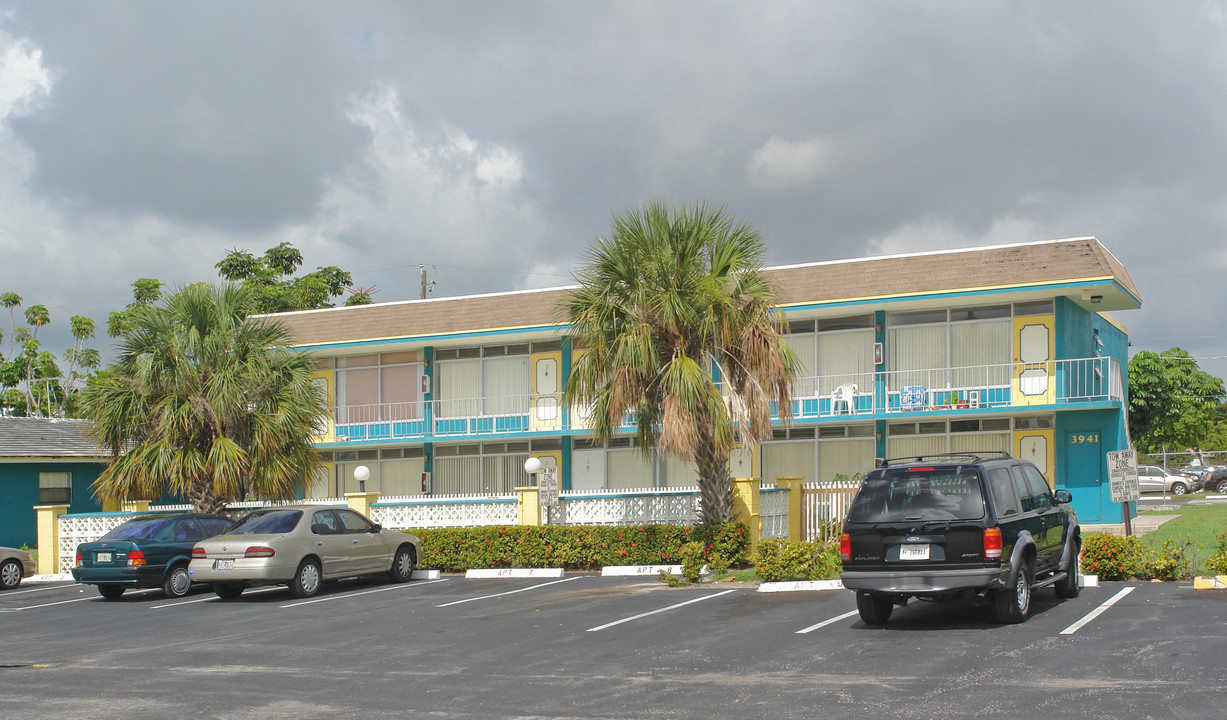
(1123, 475)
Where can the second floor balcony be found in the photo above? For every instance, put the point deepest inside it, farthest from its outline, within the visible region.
(1055, 384)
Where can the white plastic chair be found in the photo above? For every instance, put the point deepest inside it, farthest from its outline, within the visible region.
(845, 394)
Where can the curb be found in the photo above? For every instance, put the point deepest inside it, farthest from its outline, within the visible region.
(513, 573)
(1218, 582)
(796, 585)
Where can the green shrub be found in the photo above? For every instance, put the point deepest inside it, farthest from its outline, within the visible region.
(778, 559)
(1217, 563)
(1120, 558)
(579, 547)
(1166, 560)
(692, 554)
(1109, 556)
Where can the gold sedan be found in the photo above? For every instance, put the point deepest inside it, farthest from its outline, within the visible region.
(301, 546)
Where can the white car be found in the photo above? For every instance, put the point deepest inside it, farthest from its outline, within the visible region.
(1152, 478)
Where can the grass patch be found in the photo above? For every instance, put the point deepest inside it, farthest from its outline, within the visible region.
(1200, 524)
(748, 575)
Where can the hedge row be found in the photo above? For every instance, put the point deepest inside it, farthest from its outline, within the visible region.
(1112, 557)
(777, 560)
(580, 547)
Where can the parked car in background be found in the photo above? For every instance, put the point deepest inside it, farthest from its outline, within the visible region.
(146, 552)
(1200, 475)
(14, 565)
(1152, 478)
(302, 546)
(1213, 477)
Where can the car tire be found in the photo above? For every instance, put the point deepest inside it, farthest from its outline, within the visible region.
(111, 592)
(307, 579)
(10, 574)
(1179, 488)
(1014, 602)
(874, 609)
(1068, 586)
(228, 591)
(1222, 486)
(178, 583)
(402, 565)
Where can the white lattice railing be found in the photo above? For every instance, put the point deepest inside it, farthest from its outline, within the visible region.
(677, 506)
(460, 511)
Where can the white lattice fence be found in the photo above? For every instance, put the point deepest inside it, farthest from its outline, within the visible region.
(458, 512)
(76, 529)
(773, 512)
(635, 507)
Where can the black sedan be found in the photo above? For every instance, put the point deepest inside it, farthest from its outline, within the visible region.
(150, 551)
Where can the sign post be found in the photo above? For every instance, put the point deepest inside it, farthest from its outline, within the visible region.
(1123, 481)
(547, 491)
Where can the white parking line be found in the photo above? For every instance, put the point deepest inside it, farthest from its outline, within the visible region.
(1097, 612)
(510, 592)
(654, 612)
(364, 592)
(824, 623)
(39, 589)
(257, 591)
(61, 602)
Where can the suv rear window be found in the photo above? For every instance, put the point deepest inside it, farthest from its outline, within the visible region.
(902, 494)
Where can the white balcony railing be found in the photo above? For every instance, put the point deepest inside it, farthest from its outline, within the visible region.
(867, 395)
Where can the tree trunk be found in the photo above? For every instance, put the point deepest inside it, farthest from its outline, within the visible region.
(204, 498)
(715, 490)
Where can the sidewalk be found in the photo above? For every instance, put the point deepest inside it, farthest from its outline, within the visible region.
(1142, 524)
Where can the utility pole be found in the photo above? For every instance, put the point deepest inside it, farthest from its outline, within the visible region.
(426, 286)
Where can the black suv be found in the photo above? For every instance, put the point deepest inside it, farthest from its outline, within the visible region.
(956, 524)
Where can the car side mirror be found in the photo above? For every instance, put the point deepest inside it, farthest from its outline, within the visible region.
(376, 528)
(1064, 497)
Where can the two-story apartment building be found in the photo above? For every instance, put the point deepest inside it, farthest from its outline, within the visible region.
(994, 348)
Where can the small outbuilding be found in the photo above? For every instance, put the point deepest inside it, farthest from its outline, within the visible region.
(44, 461)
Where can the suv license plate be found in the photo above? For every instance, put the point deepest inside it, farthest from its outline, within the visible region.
(914, 552)
(103, 557)
(229, 564)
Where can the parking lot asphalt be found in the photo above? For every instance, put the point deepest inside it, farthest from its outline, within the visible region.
(583, 646)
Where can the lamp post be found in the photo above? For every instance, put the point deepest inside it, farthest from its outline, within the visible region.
(361, 473)
(532, 466)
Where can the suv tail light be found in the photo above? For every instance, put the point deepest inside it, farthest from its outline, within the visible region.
(259, 551)
(198, 552)
(845, 547)
(136, 557)
(78, 558)
(992, 542)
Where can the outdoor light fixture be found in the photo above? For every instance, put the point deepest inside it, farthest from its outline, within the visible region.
(532, 466)
(1096, 299)
(361, 473)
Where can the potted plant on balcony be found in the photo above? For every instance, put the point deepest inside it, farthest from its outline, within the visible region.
(961, 401)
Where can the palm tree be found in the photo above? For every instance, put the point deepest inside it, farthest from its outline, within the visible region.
(205, 404)
(676, 326)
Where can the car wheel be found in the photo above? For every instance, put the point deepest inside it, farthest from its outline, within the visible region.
(307, 579)
(1013, 603)
(402, 565)
(1067, 587)
(178, 582)
(10, 574)
(228, 591)
(1222, 486)
(874, 609)
(111, 592)
(1179, 488)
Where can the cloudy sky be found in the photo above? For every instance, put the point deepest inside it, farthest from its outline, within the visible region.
(490, 141)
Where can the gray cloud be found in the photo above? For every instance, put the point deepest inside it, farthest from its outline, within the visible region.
(491, 141)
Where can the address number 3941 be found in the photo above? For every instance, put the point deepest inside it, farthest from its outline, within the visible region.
(1076, 439)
